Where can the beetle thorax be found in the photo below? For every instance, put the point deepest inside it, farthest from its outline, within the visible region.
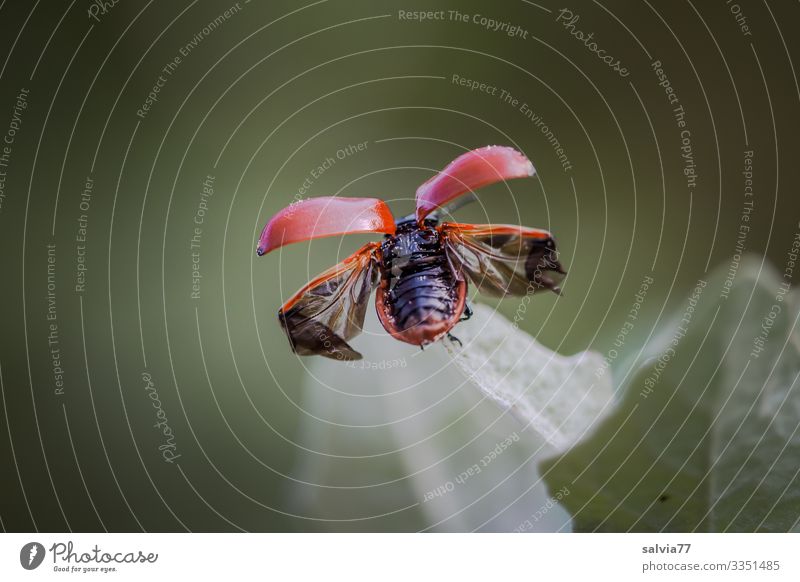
(408, 247)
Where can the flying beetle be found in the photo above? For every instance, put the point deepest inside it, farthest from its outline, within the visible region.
(421, 267)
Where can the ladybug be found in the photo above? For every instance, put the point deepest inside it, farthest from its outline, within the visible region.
(421, 267)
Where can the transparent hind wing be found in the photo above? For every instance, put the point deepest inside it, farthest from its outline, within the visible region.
(449, 209)
(329, 311)
(504, 260)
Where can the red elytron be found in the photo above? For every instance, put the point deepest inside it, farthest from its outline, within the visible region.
(421, 267)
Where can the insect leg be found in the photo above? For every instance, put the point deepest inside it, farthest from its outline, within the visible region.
(454, 339)
(467, 313)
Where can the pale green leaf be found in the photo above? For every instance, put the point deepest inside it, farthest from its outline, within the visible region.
(390, 443)
(707, 435)
(558, 397)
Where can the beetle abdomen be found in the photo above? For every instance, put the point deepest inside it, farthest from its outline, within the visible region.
(423, 302)
(426, 295)
(419, 299)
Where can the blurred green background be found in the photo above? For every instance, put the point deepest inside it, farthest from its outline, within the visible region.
(265, 93)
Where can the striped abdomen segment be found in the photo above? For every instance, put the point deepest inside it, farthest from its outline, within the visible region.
(423, 302)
